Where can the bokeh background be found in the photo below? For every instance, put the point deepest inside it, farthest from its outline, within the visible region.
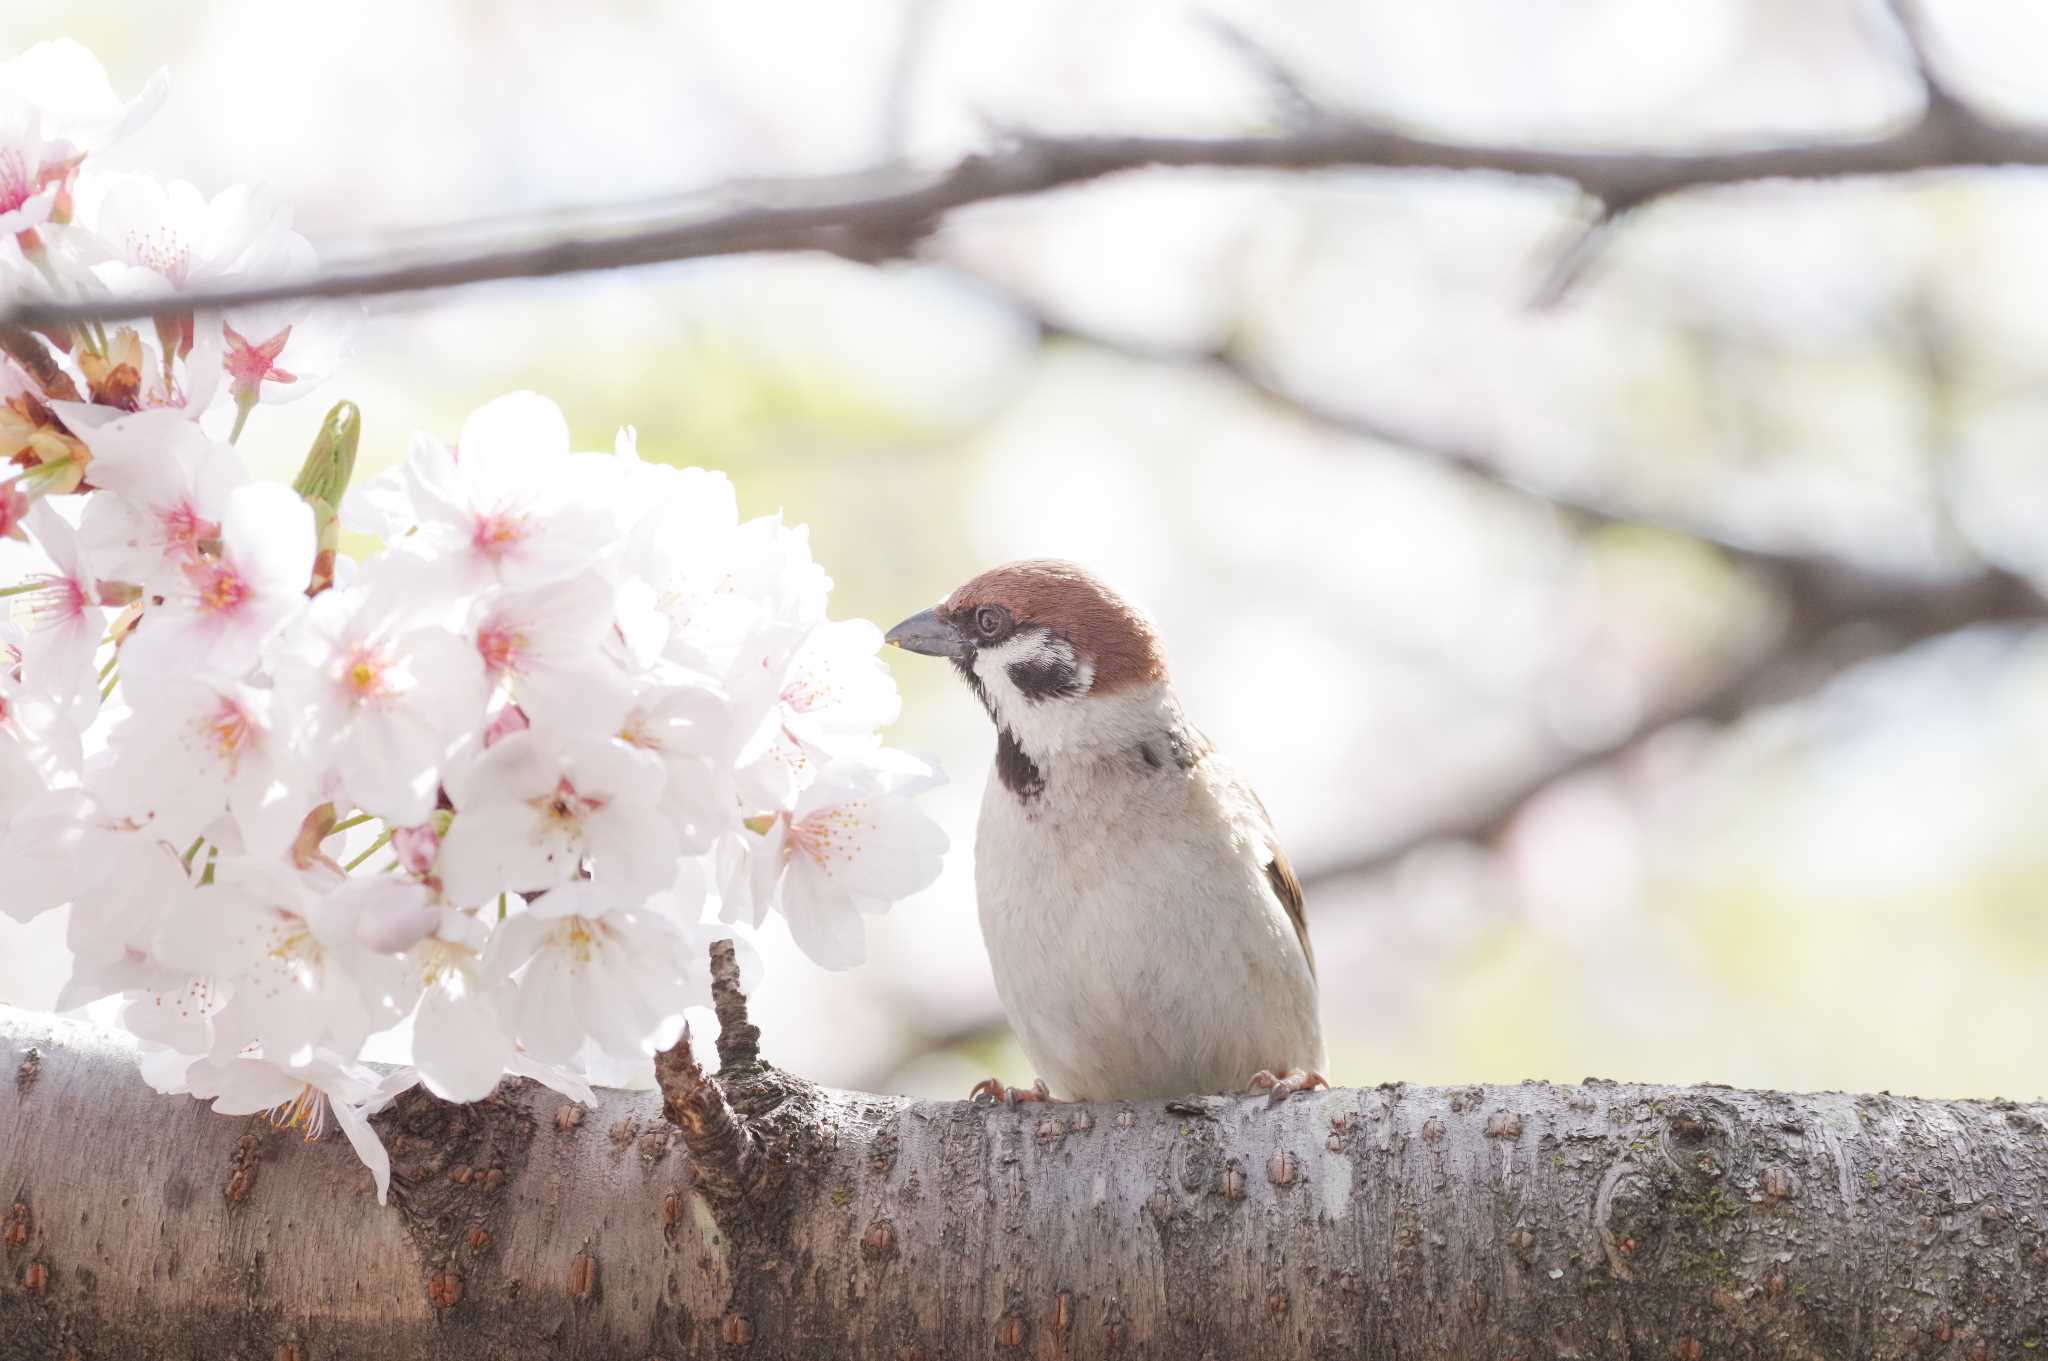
(1647, 682)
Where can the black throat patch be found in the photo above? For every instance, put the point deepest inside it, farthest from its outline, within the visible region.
(1018, 772)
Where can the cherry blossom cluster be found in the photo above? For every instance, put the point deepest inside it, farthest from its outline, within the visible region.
(498, 782)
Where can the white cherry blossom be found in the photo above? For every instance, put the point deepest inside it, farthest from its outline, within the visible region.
(545, 645)
(501, 507)
(41, 741)
(304, 1095)
(56, 107)
(587, 970)
(461, 1041)
(59, 612)
(531, 811)
(562, 696)
(193, 747)
(854, 843)
(217, 619)
(155, 238)
(820, 694)
(164, 488)
(684, 727)
(283, 944)
(382, 693)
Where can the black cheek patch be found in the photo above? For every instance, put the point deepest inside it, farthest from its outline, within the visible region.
(1042, 678)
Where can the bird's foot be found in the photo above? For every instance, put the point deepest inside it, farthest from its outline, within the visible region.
(995, 1093)
(1278, 1087)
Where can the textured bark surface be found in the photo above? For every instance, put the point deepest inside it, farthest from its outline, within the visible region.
(1602, 1220)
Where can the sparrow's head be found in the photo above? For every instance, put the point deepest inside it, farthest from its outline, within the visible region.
(1046, 646)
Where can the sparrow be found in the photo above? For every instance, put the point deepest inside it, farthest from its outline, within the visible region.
(1145, 930)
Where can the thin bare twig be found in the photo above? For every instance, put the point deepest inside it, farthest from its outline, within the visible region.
(899, 210)
(1940, 96)
(1587, 241)
(1941, 108)
(739, 1039)
(1298, 108)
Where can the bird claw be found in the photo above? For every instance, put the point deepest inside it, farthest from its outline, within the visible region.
(1278, 1087)
(999, 1095)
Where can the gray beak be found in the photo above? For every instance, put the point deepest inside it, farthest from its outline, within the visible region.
(927, 633)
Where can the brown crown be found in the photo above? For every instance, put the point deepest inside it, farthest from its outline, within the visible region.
(1105, 628)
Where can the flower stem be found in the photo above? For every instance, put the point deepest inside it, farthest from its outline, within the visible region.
(501, 907)
(243, 406)
(108, 689)
(192, 850)
(22, 588)
(112, 659)
(371, 850)
(356, 821)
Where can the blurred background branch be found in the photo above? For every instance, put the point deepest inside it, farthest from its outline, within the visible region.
(885, 213)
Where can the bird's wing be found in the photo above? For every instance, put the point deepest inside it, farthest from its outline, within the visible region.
(1287, 888)
(1257, 823)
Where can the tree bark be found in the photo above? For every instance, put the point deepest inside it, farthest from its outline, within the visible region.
(1598, 1220)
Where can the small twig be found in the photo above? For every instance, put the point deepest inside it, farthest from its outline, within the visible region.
(35, 358)
(1588, 240)
(724, 1152)
(1298, 107)
(739, 1039)
(1942, 100)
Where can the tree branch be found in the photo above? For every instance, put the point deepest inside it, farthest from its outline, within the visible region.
(723, 1145)
(1598, 1219)
(885, 215)
(1804, 654)
(723, 1148)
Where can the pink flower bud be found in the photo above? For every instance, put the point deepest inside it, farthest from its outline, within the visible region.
(504, 723)
(416, 847)
(13, 505)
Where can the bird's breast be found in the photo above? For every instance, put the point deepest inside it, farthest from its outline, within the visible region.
(1134, 939)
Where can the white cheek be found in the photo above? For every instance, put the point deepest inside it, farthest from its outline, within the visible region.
(1041, 726)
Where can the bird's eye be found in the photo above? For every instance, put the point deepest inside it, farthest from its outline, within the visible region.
(990, 620)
